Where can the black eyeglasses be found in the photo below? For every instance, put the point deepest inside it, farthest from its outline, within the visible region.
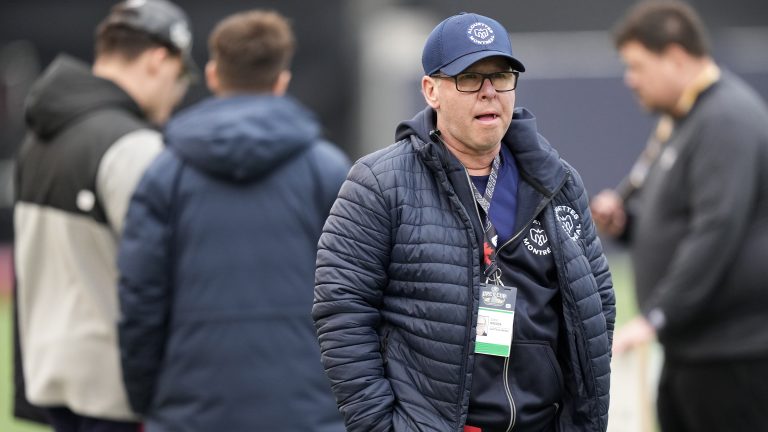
(470, 82)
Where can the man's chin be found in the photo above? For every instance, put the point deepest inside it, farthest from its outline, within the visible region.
(650, 107)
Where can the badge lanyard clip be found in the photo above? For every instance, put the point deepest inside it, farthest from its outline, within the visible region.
(492, 271)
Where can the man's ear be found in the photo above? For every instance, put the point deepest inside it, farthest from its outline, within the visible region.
(153, 58)
(430, 91)
(676, 54)
(281, 83)
(212, 77)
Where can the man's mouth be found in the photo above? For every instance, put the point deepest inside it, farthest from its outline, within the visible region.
(487, 117)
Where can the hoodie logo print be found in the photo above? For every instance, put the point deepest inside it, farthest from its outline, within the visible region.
(85, 200)
(537, 242)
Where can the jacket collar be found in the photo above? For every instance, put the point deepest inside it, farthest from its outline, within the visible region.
(538, 162)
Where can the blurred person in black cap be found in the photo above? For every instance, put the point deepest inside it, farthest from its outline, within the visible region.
(694, 211)
(218, 254)
(471, 215)
(91, 135)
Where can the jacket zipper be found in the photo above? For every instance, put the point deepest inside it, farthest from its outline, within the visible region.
(507, 391)
(512, 407)
(544, 203)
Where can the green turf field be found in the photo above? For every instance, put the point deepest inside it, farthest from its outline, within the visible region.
(623, 284)
(7, 422)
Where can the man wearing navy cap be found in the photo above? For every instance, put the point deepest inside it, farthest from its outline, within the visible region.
(471, 216)
(91, 134)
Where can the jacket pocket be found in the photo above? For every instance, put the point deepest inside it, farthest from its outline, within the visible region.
(401, 423)
(536, 383)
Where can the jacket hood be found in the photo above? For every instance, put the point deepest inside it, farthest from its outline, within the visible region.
(420, 125)
(538, 162)
(67, 91)
(242, 137)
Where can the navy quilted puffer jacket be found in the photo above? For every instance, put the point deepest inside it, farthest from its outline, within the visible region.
(397, 286)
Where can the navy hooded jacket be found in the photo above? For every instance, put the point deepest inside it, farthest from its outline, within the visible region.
(397, 285)
(217, 266)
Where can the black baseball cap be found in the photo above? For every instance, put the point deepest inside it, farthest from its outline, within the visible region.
(162, 20)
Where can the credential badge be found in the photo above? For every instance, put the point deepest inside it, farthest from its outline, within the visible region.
(494, 297)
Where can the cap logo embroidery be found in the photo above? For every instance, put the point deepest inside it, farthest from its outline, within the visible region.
(180, 35)
(480, 33)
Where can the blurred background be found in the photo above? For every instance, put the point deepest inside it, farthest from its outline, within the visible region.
(358, 66)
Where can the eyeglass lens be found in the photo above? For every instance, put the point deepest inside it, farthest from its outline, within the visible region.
(473, 81)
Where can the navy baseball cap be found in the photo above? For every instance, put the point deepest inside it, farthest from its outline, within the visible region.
(162, 20)
(463, 39)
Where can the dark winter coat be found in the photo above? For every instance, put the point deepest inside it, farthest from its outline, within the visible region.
(217, 267)
(398, 273)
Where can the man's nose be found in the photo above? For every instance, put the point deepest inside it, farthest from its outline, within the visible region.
(487, 89)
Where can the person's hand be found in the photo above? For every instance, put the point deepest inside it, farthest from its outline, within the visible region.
(608, 213)
(633, 334)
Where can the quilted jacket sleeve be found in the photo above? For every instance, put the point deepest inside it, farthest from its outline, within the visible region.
(599, 265)
(352, 260)
(144, 289)
(597, 260)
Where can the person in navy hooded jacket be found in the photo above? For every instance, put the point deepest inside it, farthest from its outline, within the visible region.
(217, 259)
(470, 217)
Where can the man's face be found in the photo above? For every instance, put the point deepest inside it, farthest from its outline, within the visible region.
(651, 76)
(170, 88)
(472, 123)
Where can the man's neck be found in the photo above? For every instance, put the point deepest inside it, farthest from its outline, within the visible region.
(118, 72)
(476, 163)
(484, 171)
(701, 76)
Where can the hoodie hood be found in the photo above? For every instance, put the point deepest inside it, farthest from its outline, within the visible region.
(66, 92)
(242, 137)
(538, 162)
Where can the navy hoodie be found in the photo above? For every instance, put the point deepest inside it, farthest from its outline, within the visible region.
(217, 271)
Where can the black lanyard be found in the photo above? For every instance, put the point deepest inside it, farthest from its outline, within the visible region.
(489, 232)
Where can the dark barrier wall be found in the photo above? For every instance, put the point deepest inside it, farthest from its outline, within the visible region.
(591, 119)
(324, 68)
